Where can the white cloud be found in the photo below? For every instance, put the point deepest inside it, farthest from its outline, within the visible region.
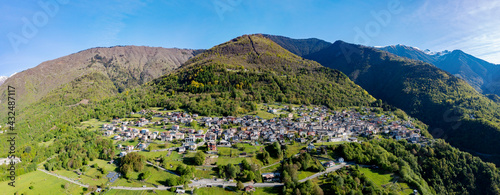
(471, 26)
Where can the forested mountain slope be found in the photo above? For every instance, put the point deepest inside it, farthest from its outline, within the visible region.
(452, 108)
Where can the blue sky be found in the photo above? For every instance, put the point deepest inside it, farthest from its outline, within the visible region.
(32, 32)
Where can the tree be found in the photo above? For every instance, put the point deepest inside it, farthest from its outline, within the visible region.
(171, 181)
(240, 185)
(220, 170)
(199, 158)
(317, 190)
(250, 176)
(92, 188)
(125, 169)
(245, 165)
(194, 124)
(231, 171)
(265, 157)
(134, 161)
(144, 175)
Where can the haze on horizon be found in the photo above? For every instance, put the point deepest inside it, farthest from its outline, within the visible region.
(37, 31)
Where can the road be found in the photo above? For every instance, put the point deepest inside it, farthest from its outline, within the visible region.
(65, 178)
(149, 163)
(271, 165)
(328, 170)
(201, 182)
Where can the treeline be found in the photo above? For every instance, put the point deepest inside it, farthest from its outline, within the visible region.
(244, 172)
(76, 148)
(437, 168)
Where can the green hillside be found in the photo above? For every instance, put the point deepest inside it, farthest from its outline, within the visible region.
(452, 108)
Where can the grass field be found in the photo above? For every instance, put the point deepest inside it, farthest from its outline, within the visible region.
(271, 168)
(304, 174)
(47, 143)
(381, 178)
(92, 124)
(294, 149)
(150, 155)
(42, 184)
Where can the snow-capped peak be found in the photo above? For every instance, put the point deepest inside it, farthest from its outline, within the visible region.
(439, 53)
(3, 79)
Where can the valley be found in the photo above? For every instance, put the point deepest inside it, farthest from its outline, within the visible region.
(252, 116)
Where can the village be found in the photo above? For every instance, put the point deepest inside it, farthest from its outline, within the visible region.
(299, 124)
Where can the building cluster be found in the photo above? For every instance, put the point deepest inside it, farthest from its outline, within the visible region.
(301, 124)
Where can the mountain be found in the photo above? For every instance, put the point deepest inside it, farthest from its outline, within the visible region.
(451, 107)
(254, 68)
(230, 78)
(481, 75)
(125, 66)
(225, 80)
(300, 47)
(2, 79)
(411, 53)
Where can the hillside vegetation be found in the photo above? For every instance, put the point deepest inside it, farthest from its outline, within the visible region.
(452, 108)
(125, 66)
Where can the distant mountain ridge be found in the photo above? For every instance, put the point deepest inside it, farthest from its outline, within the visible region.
(126, 66)
(300, 47)
(480, 74)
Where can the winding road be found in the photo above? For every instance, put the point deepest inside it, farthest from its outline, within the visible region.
(328, 170)
(199, 183)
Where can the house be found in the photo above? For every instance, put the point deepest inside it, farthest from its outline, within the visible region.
(175, 127)
(311, 147)
(249, 189)
(181, 149)
(224, 143)
(190, 146)
(122, 154)
(141, 146)
(144, 131)
(270, 176)
(179, 135)
(129, 148)
(212, 146)
(329, 164)
(180, 191)
(190, 139)
(211, 137)
(108, 133)
(301, 140)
